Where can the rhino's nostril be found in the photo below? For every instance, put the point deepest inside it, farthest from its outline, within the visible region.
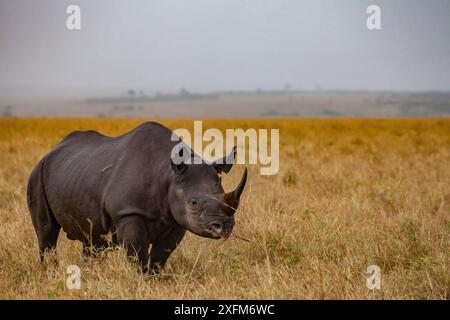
(217, 227)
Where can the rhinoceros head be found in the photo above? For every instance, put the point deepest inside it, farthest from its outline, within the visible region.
(198, 201)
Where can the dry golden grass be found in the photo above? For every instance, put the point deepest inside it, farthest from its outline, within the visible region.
(350, 193)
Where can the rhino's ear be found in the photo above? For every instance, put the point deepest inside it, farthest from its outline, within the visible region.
(224, 164)
(177, 160)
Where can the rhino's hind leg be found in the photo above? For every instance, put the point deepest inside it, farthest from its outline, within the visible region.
(47, 234)
(47, 230)
(46, 227)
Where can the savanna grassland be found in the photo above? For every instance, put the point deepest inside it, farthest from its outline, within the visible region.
(350, 193)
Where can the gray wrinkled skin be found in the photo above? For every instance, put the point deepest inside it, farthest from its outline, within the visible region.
(90, 185)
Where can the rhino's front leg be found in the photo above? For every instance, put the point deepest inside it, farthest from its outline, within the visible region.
(162, 248)
(132, 234)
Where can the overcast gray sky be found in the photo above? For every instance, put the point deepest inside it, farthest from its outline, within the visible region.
(208, 45)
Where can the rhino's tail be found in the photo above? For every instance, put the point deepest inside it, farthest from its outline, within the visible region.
(44, 222)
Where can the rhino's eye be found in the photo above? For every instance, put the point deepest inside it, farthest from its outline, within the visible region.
(193, 204)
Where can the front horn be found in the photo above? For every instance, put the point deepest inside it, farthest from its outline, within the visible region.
(231, 199)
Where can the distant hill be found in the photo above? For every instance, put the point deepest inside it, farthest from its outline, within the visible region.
(237, 104)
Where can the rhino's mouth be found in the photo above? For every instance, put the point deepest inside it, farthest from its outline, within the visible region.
(218, 229)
